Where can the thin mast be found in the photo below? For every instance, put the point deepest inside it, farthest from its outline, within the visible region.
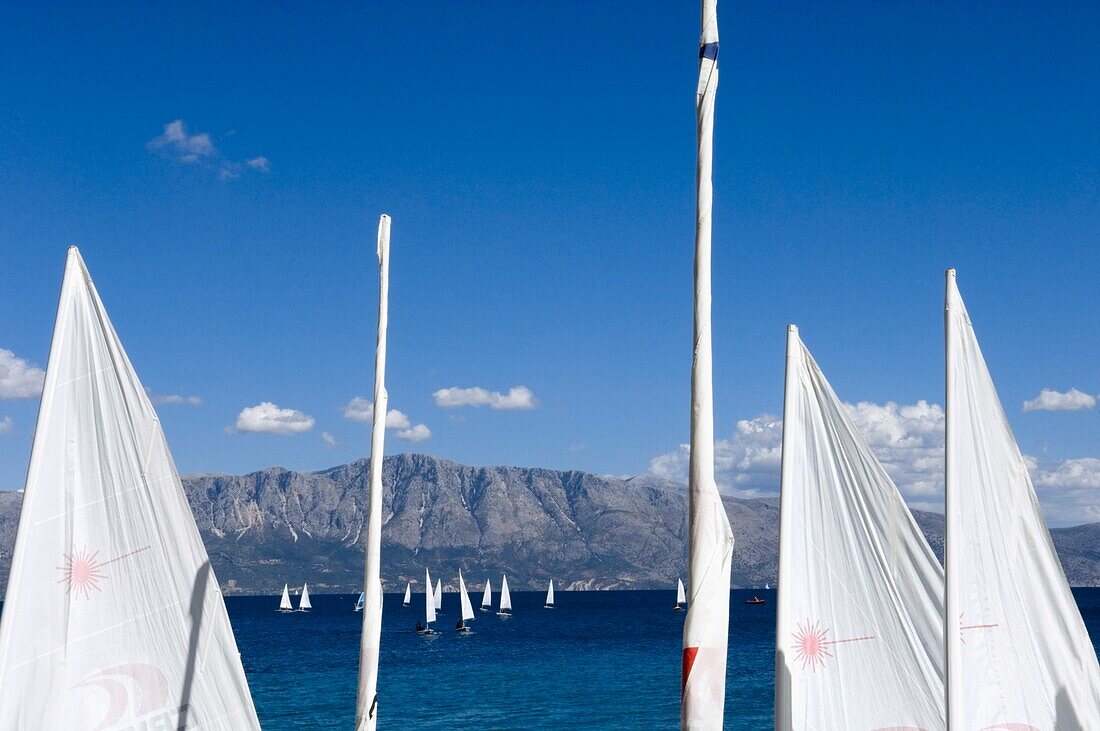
(366, 711)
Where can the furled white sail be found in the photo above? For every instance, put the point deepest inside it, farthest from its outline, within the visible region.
(550, 594)
(860, 614)
(429, 599)
(681, 597)
(113, 617)
(303, 601)
(284, 601)
(438, 594)
(505, 597)
(408, 595)
(366, 707)
(710, 540)
(1018, 653)
(487, 595)
(467, 606)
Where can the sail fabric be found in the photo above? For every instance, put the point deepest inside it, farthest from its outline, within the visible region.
(550, 594)
(710, 539)
(1018, 653)
(859, 638)
(438, 594)
(681, 598)
(487, 595)
(366, 710)
(408, 594)
(303, 601)
(429, 599)
(113, 617)
(505, 596)
(284, 600)
(464, 598)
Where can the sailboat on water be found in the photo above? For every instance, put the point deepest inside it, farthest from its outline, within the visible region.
(1018, 652)
(408, 595)
(439, 596)
(681, 599)
(549, 604)
(505, 599)
(860, 590)
(304, 605)
(467, 607)
(113, 617)
(284, 602)
(487, 598)
(429, 607)
(360, 601)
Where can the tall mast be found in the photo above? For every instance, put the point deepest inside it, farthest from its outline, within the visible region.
(366, 710)
(710, 540)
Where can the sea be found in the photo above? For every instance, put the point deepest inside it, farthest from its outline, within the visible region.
(598, 660)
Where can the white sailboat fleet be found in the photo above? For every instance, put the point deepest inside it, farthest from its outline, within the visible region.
(304, 605)
(467, 608)
(408, 595)
(438, 595)
(284, 601)
(429, 607)
(487, 598)
(505, 609)
(549, 603)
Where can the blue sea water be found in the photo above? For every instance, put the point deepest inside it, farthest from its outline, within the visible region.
(600, 660)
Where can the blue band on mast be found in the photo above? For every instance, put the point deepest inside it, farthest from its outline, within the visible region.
(709, 50)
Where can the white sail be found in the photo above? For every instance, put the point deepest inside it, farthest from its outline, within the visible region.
(860, 613)
(360, 601)
(467, 607)
(487, 595)
(1018, 653)
(303, 601)
(284, 601)
(438, 594)
(366, 706)
(505, 597)
(408, 595)
(710, 540)
(681, 598)
(767, 586)
(550, 594)
(113, 617)
(429, 599)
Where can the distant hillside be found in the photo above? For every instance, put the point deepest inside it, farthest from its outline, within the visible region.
(585, 531)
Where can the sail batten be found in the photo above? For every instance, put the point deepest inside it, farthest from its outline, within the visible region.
(860, 590)
(710, 539)
(104, 534)
(1018, 652)
(366, 710)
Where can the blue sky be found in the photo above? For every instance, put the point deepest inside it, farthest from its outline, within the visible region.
(538, 162)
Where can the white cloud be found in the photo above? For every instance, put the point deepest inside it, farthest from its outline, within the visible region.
(270, 419)
(518, 397)
(18, 378)
(1069, 489)
(1071, 400)
(329, 439)
(6, 425)
(187, 148)
(173, 399)
(361, 410)
(260, 163)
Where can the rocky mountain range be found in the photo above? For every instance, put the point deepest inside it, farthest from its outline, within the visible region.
(583, 530)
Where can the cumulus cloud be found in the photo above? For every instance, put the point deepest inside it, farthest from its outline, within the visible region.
(1069, 489)
(518, 397)
(18, 378)
(178, 143)
(6, 426)
(173, 399)
(362, 410)
(1050, 400)
(267, 418)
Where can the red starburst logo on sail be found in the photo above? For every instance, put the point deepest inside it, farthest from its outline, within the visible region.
(82, 571)
(812, 643)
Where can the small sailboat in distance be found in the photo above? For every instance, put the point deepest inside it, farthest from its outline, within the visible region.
(467, 607)
(549, 596)
(439, 595)
(429, 607)
(360, 601)
(767, 587)
(505, 599)
(487, 598)
(408, 595)
(754, 600)
(284, 603)
(304, 604)
(681, 597)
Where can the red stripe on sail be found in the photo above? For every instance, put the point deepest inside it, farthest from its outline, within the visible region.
(689, 660)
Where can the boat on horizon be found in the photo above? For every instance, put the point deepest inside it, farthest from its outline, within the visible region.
(681, 597)
(467, 609)
(408, 595)
(505, 598)
(549, 596)
(304, 605)
(487, 597)
(754, 600)
(360, 601)
(284, 602)
(429, 607)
